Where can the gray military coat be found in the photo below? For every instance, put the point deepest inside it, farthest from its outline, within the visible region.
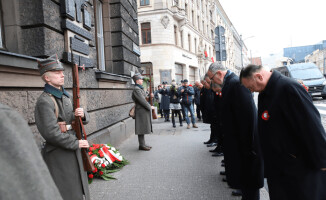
(62, 153)
(23, 174)
(143, 112)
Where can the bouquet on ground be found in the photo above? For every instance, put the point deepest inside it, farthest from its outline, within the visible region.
(106, 159)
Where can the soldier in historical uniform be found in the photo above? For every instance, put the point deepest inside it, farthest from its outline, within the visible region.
(143, 113)
(165, 101)
(242, 154)
(23, 173)
(292, 136)
(53, 116)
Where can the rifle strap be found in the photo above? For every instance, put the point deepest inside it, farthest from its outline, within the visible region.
(56, 107)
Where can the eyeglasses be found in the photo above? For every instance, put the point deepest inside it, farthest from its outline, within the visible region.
(213, 77)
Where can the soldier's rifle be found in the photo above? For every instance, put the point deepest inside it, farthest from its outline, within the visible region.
(154, 116)
(78, 124)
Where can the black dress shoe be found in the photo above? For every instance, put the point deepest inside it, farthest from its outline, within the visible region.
(224, 180)
(174, 126)
(236, 193)
(213, 144)
(222, 173)
(144, 148)
(181, 125)
(213, 150)
(208, 142)
(222, 161)
(222, 165)
(216, 154)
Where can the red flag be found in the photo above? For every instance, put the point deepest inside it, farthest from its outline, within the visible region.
(206, 54)
(212, 58)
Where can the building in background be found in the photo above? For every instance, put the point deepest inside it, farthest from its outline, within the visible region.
(178, 38)
(256, 61)
(298, 54)
(318, 57)
(103, 35)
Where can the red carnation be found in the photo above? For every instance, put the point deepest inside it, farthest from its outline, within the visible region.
(101, 145)
(91, 148)
(101, 155)
(103, 165)
(95, 170)
(90, 176)
(90, 153)
(101, 173)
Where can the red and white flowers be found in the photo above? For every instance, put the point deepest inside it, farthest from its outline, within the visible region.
(106, 160)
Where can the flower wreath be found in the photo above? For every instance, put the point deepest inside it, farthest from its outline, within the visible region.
(106, 159)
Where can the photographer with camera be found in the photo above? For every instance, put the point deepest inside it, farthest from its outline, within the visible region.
(187, 93)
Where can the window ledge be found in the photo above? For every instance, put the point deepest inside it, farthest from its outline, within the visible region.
(105, 76)
(17, 60)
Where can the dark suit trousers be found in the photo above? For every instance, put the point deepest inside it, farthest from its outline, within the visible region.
(250, 194)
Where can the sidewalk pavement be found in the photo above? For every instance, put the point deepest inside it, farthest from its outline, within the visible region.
(179, 166)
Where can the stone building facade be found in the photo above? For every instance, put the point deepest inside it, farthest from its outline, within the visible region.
(103, 37)
(178, 38)
(319, 58)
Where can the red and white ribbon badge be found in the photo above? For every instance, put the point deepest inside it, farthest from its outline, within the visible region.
(265, 116)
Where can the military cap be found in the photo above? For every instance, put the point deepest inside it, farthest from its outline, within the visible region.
(137, 76)
(181, 81)
(51, 63)
(185, 81)
(164, 83)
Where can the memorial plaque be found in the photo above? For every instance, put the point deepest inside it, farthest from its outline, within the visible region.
(87, 20)
(165, 75)
(79, 46)
(66, 24)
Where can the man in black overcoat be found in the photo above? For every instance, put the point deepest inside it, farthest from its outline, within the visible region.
(292, 137)
(165, 101)
(242, 155)
(209, 114)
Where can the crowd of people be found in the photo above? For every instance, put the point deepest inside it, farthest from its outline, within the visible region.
(180, 100)
(283, 141)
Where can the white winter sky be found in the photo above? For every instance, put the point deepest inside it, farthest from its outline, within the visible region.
(277, 24)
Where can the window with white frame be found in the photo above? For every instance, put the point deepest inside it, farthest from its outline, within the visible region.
(100, 35)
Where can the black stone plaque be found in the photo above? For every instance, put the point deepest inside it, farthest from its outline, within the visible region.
(66, 24)
(68, 9)
(87, 20)
(79, 46)
(79, 60)
(67, 58)
(85, 61)
(79, 38)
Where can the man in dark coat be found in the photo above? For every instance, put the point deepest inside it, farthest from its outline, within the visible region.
(143, 113)
(181, 103)
(198, 86)
(165, 101)
(242, 155)
(208, 111)
(62, 150)
(292, 136)
(23, 173)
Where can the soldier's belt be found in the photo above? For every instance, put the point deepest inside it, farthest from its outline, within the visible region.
(64, 127)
